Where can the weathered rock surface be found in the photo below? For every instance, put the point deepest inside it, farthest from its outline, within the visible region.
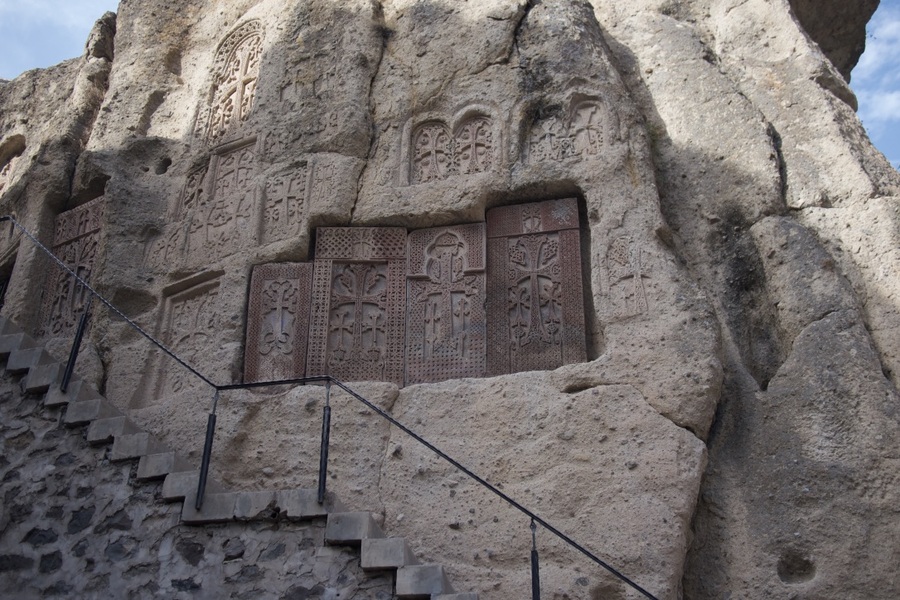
(731, 433)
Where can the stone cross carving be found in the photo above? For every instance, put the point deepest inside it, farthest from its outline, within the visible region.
(189, 326)
(237, 61)
(226, 221)
(581, 135)
(438, 152)
(627, 270)
(359, 301)
(535, 292)
(75, 241)
(277, 322)
(445, 294)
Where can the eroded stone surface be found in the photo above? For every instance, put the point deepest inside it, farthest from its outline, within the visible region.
(735, 224)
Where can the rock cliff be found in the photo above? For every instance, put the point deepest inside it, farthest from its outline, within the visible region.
(728, 421)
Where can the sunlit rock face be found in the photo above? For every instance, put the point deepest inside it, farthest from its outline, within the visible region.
(636, 263)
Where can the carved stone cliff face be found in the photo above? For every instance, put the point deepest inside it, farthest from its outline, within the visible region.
(636, 262)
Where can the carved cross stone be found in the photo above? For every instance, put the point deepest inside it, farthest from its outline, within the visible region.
(535, 292)
(359, 300)
(277, 321)
(446, 303)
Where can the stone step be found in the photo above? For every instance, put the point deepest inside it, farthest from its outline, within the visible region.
(179, 485)
(135, 445)
(422, 581)
(22, 360)
(303, 503)
(8, 327)
(83, 412)
(78, 391)
(351, 528)
(15, 341)
(216, 508)
(157, 466)
(103, 431)
(465, 596)
(385, 553)
(41, 378)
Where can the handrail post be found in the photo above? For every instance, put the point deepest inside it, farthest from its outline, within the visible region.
(76, 345)
(207, 453)
(535, 567)
(323, 449)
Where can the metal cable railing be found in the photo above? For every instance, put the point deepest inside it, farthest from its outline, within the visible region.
(328, 381)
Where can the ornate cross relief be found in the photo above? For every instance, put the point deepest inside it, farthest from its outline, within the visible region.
(581, 135)
(237, 72)
(75, 241)
(628, 268)
(190, 323)
(445, 295)
(438, 152)
(277, 322)
(358, 306)
(224, 221)
(535, 295)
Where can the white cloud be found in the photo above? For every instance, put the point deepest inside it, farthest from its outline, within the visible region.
(878, 63)
(880, 105)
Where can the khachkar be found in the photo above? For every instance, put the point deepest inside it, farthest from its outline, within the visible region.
(358, 304)
(75, 241)
(535, 293)
(277, 322)
(445, 296)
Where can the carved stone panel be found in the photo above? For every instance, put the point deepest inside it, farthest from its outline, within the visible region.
(446, 314)
(75, 241)
(535, 294)
(582, 134)
(285, 206)
(628, 268)
(438, 152)
(237, 72)
(277, 322)
(190, 322)
(359, 304)
(225, 220)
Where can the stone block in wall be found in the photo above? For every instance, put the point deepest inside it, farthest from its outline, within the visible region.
(535, 290)
(357, 328)
(445, 303)
(277, 322)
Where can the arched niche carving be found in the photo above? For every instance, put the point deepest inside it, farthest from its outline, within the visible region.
(439, 148)
(237, 66)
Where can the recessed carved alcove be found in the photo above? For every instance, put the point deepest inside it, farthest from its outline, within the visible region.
(384, 304)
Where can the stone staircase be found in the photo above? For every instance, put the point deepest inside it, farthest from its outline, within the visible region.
(85, 407)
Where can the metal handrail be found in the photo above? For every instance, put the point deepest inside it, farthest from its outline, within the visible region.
(328, 381)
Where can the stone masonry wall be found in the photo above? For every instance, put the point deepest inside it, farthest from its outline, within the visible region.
(75, 524)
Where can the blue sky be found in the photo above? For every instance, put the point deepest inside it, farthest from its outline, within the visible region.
(40, 33)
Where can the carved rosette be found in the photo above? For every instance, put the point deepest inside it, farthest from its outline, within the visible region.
(76, 240)
(445, 295)
(535, 293)
(277, 322)
(359, 300)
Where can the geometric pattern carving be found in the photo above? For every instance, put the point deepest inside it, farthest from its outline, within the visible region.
(445, 297)
(358, 304)
(582, 135)
(237, 72)
(437, 153)
(75, 241)
(277, 322)
(535, 291)
(223, 221)
(627, 271)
